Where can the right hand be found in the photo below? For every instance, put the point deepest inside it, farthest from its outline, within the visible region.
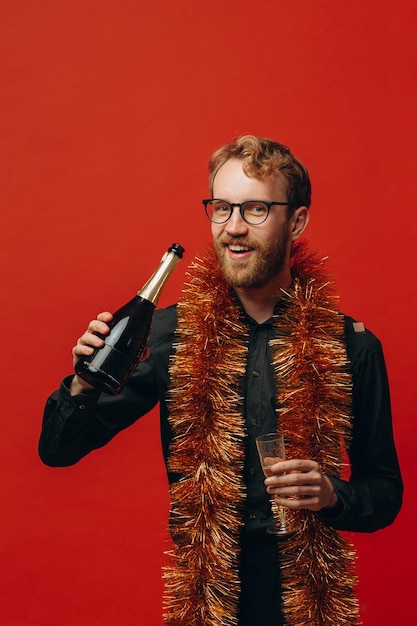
(86, 345)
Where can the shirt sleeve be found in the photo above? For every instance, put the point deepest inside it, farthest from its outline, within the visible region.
(73, 426)
(372, 497)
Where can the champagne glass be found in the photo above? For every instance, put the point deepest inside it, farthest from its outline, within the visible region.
(271, 449)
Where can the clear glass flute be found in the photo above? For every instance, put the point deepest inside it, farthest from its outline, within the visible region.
(271, 449)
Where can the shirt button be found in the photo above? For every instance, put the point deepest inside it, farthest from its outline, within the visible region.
(252, 516)
(81, 406)
(253, 421)
(255, 373)
(252, 471)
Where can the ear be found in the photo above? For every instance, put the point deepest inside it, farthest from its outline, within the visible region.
(298, 222)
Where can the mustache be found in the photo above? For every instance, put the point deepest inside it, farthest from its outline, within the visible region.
(230, 241)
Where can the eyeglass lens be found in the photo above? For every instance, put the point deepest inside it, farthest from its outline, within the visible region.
(253, 212)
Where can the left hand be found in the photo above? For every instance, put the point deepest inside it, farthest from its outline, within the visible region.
(304, 480)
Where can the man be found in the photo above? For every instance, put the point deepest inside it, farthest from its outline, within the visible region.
(259, 346)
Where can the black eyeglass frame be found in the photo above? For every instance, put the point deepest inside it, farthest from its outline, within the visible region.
(240, 205)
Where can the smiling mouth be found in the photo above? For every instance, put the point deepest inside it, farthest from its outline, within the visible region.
(238, 248)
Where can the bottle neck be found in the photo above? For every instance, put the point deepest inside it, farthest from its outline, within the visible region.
(151, 290)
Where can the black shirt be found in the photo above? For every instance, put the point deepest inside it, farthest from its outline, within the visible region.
(370, 499)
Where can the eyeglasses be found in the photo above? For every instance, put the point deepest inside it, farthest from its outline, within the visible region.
(252, 211)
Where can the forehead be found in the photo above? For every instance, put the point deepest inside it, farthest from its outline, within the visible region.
(231, 183)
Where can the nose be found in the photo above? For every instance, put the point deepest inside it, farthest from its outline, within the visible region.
(236, 225)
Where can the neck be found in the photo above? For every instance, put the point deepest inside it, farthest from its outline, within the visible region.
(260, 302)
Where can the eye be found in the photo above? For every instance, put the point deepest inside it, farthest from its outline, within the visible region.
(220, 207)
(256, 209)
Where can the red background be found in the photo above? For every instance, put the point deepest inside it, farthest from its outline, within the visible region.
(109, 111)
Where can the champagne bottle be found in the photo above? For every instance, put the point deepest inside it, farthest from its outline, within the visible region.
(109, 367)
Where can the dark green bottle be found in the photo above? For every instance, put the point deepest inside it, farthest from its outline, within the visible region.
(109, 367)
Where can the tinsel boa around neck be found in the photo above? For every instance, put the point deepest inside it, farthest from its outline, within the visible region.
(314, 397)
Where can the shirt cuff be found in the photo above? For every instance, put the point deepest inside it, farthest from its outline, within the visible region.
(335, 513)
(81, 401)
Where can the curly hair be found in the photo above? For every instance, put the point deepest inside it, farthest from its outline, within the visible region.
(262, 157)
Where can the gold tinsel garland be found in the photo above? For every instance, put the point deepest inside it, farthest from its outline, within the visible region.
(314, 415)
(202, 584)
(201, 581)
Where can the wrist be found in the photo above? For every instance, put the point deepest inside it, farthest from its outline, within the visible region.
(332, 499)
(79, 386)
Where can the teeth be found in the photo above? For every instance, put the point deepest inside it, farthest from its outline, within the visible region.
(238, 248)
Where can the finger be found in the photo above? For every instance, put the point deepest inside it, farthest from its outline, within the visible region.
(86, 344)
(85, 348)
(105, 316)
(97, 326)
(312, 504)
(79, 351)
(95, 339)
(296, 465)
(296, 480)
(271, 461)
(296, 491)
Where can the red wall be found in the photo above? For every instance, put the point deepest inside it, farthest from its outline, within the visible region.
(109, 111)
